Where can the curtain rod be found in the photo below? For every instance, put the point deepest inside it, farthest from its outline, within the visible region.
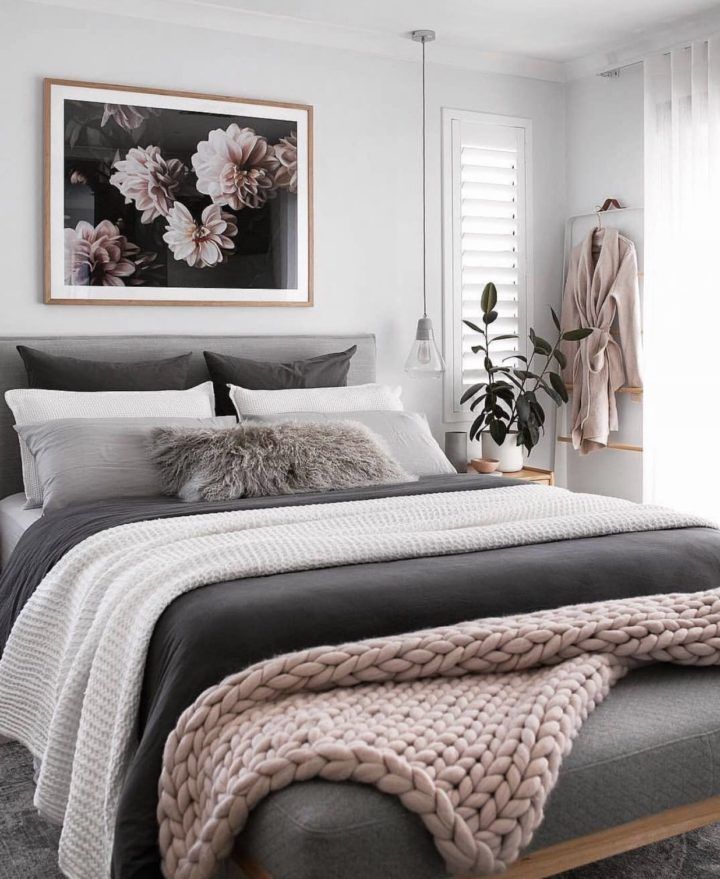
(615, 72)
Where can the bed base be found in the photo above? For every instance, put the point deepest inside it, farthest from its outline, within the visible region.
(575, 852)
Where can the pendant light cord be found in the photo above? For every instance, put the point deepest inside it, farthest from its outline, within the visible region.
(424, 186)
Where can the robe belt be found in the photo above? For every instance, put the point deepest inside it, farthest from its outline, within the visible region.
(594, 355)
(594, 348)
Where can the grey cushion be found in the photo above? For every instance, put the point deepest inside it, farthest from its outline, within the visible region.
(124, 348)
(654, 744)
(323, 371)
(406, 436)
(86, 459)
(56, 373)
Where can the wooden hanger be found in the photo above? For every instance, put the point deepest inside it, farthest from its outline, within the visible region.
(610, 203)
(607, 205)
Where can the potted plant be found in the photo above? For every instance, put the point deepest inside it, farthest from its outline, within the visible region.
(511, 417)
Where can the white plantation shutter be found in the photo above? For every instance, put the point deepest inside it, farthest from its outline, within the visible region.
(485, 177)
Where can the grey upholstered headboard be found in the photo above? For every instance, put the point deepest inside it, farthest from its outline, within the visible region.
(117, 348)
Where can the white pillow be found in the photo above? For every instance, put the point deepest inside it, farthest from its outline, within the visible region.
(406, 436)
(353, 398)
(35, 405)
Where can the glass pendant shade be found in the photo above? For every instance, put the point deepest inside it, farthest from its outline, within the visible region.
(425, 359)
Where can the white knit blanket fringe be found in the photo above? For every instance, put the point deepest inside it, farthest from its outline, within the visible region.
(71, 672)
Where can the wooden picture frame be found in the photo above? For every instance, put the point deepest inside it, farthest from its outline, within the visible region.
(160, 197)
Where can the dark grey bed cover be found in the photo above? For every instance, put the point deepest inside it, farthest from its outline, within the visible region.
(221, 628)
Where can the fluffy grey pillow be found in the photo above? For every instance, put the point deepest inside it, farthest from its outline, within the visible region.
(264, 460)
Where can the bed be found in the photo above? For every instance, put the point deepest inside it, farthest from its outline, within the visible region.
(14, 522)
(632, 776)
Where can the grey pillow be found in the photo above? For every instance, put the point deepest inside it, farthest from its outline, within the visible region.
(54, 372)
(323, 371)
(265, 460)
(405, 435)
(87, 459)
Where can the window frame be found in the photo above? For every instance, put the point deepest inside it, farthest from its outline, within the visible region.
(451, 120)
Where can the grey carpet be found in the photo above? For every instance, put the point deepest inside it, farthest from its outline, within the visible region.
(28, 844)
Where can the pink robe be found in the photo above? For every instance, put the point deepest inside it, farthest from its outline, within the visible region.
(601, 294)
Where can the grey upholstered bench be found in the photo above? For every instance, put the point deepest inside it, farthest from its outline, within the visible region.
(645, 766)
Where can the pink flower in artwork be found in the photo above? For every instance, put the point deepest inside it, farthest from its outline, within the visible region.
(98, 256)
(127, 116)
(236, 167)
(200, 244)
(149, 180)
(286, 154)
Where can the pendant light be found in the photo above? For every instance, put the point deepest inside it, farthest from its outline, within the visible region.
(425, 359)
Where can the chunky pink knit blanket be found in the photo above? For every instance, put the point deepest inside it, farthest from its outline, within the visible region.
(466, 725)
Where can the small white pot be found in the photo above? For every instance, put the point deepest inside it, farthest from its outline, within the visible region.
(509, 455)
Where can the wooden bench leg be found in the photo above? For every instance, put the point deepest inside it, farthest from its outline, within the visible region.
(616, 840)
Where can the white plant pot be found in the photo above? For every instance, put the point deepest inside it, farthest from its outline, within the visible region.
(509, 455)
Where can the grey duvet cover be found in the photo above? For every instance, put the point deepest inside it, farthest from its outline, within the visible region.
(221, 628)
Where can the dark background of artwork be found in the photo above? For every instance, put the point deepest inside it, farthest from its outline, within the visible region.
(266, 237)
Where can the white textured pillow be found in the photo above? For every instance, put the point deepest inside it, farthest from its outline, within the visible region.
(353, 398)
(34, 405)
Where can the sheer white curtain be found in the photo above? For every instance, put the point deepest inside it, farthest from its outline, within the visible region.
(681, 433)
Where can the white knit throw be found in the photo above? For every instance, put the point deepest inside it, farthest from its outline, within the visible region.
(72, 670)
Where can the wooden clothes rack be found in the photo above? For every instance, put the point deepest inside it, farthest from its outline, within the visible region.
(610, 206)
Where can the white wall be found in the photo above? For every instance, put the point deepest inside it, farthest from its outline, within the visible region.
(604, 153)
(367, 171)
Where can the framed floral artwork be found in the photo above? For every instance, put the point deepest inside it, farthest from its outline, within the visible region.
(170, 198)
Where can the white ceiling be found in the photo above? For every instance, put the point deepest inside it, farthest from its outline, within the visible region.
(552, 30)
(544, 39)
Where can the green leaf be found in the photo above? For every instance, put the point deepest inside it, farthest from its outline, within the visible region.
(556, 319)
(553, 394)
(471, 391)
(559, 385)
(524, 374)
(472, 326)
(476, 426)
(561, 359)
(516, 357)
(490, 317)
(577, 335)
(532, 335)
(503, 337)
(523, 408)
(476, 348)
(75, 135)
(94, 137)
(538, 412)
(488, 300)
(498, 432)
(542, 346)
(509, 375)
(477, 401)
(488, 364)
